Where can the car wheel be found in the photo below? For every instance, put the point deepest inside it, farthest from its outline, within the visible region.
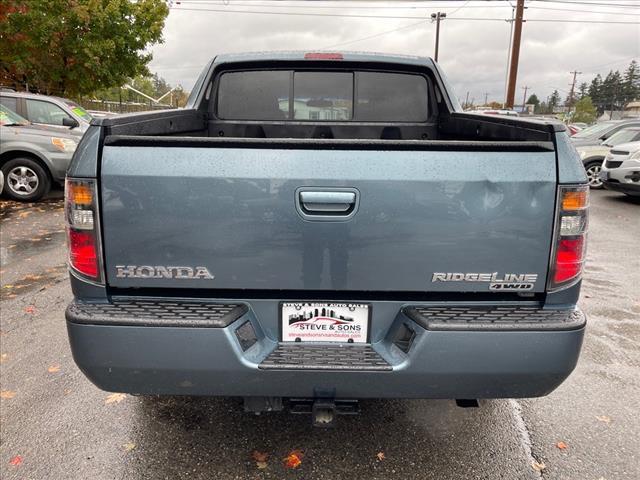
(593, 174)
(25, 180)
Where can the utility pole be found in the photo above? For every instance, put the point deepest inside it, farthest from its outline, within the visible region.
(506, 73)
(515, 53)
(437, 17)
(524, 99)
(573, 87)
(466, 101)
(486, 97)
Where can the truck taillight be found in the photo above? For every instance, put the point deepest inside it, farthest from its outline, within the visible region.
(83, 232)
(570, 240)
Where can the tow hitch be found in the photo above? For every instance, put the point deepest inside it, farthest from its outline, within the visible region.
(323, 410)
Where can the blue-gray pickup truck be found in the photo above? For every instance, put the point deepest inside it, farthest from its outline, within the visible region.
(317, 228)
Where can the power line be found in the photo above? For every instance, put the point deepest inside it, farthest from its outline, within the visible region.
(340, 7)
(582, 2)
(598, 12)
(610, 63)
(342, 15)
(404, 27)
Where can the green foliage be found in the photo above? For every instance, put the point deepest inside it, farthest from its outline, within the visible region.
(533, 100)
(583, 89)
(553, 101)
(73, 47)
(616, 89)
(585, 111)
(153, 86)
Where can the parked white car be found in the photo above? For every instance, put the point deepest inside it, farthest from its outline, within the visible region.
(621, 169)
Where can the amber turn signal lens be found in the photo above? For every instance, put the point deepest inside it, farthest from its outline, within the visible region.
(80, 194)
(575, 199)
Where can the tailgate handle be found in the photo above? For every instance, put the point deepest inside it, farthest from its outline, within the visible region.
(327, 202)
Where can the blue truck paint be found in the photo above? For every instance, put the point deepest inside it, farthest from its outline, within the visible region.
(413, 199)
(152, 360)
(448, 206)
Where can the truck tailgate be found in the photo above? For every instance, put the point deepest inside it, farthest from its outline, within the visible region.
(325, 219)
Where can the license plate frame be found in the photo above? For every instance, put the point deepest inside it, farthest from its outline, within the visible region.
(328, 326)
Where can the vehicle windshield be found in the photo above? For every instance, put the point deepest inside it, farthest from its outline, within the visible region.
(79, 111)
(623, 136)
(593, 130)
(9, 117)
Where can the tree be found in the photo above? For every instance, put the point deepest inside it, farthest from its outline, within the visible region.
(631, 82)
(553, 101)
(583, 89)
(585, 111)
(533, 100)
(542, 108)
(74, 47)
(154, 86)
(611, 96)
(595, 92)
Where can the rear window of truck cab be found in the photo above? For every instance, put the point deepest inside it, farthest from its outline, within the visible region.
(318, 96)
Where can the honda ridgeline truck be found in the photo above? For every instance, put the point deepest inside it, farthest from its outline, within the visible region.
(325, 227)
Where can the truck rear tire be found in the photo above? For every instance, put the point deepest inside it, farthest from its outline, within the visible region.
(25, 180)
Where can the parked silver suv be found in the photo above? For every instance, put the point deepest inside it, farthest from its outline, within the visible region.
(32, 156)
(55, 112)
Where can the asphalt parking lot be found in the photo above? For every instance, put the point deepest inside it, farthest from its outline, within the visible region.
(57, 425)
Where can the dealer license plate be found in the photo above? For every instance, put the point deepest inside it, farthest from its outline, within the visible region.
(324, 322)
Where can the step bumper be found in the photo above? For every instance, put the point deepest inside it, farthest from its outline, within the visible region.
(232, 356)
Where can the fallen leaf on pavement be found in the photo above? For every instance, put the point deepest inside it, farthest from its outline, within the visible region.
(115, 398)
(129, 446)
(260, 459)
(53, 369)
(380, 456)
(3, 357)
(259, 456)
(538, 466)
(561, 445)
(30, 309)
(15, 461)
(604, 418)
(7, 394)
(294, 459)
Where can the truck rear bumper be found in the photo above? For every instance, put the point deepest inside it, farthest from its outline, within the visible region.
(415, 359)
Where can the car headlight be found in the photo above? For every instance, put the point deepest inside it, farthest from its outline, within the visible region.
(635, 156)
(64, 144)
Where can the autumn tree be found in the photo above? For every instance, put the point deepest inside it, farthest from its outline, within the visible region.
(74, 47)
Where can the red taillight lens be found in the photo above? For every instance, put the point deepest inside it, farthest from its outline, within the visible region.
(570, 238)
(83, 233)
(83, 254)
(568, 259)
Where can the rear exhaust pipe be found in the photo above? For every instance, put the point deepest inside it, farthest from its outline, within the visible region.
(467, 402)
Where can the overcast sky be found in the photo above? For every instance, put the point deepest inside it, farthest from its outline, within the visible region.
(473, 53)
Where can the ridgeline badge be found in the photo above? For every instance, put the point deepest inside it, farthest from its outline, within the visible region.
(497, 282)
